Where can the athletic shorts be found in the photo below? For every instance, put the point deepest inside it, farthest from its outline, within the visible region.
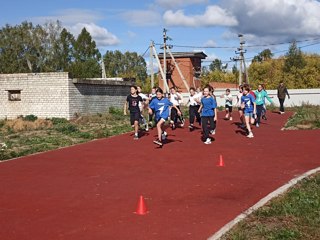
(229, 108)
(134, 116)
(249, 114)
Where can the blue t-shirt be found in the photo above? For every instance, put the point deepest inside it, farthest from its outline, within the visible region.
(161, 108)
(248, 101)
(208, 106)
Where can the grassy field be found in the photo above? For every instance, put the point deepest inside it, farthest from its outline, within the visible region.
(294, 215)
(27, 135)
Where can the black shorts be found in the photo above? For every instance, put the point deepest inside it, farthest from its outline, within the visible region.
(229, 108)
(134, 116)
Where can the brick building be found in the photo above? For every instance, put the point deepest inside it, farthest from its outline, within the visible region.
(190, 66)
(54, 94)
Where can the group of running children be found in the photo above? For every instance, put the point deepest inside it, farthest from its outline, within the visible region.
(202, 108)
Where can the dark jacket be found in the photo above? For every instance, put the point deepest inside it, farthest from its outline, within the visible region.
(282, 92)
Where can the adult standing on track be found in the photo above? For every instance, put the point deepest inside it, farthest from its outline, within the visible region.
(282, 92)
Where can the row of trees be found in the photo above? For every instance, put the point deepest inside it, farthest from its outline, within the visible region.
(51, 48)
(29, 48)
(295, 68)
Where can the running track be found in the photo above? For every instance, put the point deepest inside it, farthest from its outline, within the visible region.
(90, 191)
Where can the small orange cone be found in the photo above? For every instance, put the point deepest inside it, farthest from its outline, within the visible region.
(141, 208)
(221, 162)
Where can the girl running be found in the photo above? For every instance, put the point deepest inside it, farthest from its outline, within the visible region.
(194, 105)
(228, 105)
(248, 104)
(175, 99)
(208, 109)
(132, 103)
(261, 95)
(240, 110)
(161, 107)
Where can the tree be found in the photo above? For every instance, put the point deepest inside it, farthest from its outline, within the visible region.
(216, 65)
(126, 65)
(87, 56)
(263, 56)
(294, 58)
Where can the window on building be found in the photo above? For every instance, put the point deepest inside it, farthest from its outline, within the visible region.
(14, 95)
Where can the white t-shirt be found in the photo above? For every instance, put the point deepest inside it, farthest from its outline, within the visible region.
(144, 98)
(192, 100)
(175, 99)
(229, 99)
(239, 99)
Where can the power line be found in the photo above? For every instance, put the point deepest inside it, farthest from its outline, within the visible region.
(249, 46)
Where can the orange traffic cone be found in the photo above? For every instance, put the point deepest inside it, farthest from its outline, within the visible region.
(141, 208)
(221, 162)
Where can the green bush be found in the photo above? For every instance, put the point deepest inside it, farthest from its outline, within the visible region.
(115, 111)
(30, 118)
(56, 121)
(66, 128)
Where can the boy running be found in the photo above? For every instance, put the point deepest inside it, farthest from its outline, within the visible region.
(161, 107)
(248, 104)
(208, 109)
(132, 102)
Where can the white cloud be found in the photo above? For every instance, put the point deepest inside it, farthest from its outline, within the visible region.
(101, 35)
(142, 17)
(76, 19)
(71, 16)
(210, 43)
(178, 3)
(283, 19)
(213, 16)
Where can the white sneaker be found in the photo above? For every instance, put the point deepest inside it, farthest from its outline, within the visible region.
(208, 141)
(250, 135)
(213, 132)
(230, 118)
(164, 135)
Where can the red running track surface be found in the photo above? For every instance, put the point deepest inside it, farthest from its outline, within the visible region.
(90, 191)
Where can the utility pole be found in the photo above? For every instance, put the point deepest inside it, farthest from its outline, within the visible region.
(165, 38)
(151, 64)
(243, 67)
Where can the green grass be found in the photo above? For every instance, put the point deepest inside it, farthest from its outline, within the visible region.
(61, 133)
(294, 215)
(305, 117)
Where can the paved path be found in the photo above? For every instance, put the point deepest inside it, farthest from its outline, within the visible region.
(90, 191)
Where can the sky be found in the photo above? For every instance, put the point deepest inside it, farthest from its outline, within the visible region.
(210, 26)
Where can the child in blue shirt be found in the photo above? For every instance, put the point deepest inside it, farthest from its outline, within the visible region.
(248, 104)
(161, 107)
(208, 110)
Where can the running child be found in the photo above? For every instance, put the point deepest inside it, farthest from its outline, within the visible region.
(161, 107)
(228, 104)
(261, 95)
(152, 96)
(194, 105)
(248, 104)
(175, 99)
(240, 110)
(208, 110)
(142, 106)
(132, 103)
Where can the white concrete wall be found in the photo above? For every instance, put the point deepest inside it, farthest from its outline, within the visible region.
(297, 97)
(42, 94)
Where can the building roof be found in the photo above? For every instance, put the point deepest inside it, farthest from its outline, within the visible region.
(200, 55)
